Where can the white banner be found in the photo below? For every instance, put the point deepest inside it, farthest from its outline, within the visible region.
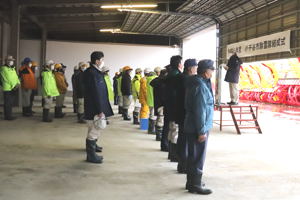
(277, 42)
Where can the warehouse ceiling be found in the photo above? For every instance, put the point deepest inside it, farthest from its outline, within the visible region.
(167, 24)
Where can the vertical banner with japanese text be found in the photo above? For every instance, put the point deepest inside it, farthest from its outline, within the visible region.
(274, 43)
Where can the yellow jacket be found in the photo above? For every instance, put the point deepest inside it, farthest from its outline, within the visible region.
(143, 91)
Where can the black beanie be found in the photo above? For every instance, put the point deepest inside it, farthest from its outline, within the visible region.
(96, 55)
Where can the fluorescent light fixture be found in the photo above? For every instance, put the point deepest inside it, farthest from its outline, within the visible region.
(112, 30)
(129, 6)
(139, 11)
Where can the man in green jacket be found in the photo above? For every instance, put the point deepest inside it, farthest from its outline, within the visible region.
(150, 102)
(135, 86)
(10, 84)
(110, 91)
(49, 89)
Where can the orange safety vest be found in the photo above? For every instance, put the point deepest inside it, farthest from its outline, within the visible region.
(28, 80)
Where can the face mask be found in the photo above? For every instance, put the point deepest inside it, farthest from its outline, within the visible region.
(102, 64)
(52, 67)
(10, 63)
(30, 65)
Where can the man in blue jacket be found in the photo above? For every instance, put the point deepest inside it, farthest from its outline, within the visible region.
(199, 108)
(96, 103)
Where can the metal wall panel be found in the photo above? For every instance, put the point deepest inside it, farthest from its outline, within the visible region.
(280, 16)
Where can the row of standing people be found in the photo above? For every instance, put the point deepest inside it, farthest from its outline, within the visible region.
(53, 83)
(181, 97)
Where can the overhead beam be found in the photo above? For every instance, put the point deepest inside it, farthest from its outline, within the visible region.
(83, 21)
(46, 3)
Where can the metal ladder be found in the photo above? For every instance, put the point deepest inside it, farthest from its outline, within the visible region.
(238, 122)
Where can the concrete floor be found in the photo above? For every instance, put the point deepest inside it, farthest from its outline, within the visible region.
(46, 161)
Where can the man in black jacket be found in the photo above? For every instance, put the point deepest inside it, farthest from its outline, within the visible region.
(96, 104)
(79, 87)
(158, 85)
(115, 86)
(176, 68)
(232, 77)
(126, 91)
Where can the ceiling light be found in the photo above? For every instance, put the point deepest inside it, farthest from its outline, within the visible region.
(129, 6)
(139, 11)
(112, 30)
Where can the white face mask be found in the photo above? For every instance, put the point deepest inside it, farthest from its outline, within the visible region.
(10, 63)
(102, 64)
(52, 67)
(29, 65)
(83, 69)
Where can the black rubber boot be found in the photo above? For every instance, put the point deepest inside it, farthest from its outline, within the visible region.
(126, 117)
(26, 112)
(197, 187)
(158, 132)
(91, 155)
(181, 167)
(151, 127)
(58, 112)
(173, 152)
(98, 148)
(46, 116)
(120, 111)
(8, 113)
(75, 108)
(136, 118)
(80, 118)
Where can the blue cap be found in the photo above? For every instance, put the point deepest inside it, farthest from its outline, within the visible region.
(190, 63)
(205, 64)
(27, 60)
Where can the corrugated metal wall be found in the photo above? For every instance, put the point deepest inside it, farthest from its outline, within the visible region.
(280, 16)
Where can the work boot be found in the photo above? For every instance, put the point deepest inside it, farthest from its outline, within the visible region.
(173, 152)
(26, 112)
(98, 148)
(59, 113)
(80, 118)
(91, 155)
(120, 111)
(136, 118)
(8, 113)
(75, 108)
(126, 117)
(181, 166)
(151, 126)
(158, 132)
(46, 116)
(197, 187)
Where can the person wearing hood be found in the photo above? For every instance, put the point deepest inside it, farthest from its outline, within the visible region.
(96, 104)
(150, 103)
(158, 85)
(62, 88)
(28, 83)
(135, 85)
(176, 68)
(10, 84)
(79, 88)
(199, 108)
(126, 91)
(190, 69)
(232, 77)
(49, 89)
(74, 86)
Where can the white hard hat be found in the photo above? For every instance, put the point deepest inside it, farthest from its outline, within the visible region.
(157, 69)
(147, 70)
(49, 62)
(105, 69)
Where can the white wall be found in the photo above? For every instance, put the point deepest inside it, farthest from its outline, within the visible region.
(115, 55)
(201, 45)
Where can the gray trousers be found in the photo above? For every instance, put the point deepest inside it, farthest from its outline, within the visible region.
(151, 113)
(127, 101)
(60, 100)
(93, 133)
(26, 97)
(47, 102)
(234, 92)
(160, 117)
(120, 101)
(173, 132)
(80, 103)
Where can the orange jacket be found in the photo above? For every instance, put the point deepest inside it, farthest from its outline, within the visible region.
(61, 82)
(28, 80)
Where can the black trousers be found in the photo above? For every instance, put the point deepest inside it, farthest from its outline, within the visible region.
(9, 98)
(182, 145)
(196, 155)
(164, 143)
